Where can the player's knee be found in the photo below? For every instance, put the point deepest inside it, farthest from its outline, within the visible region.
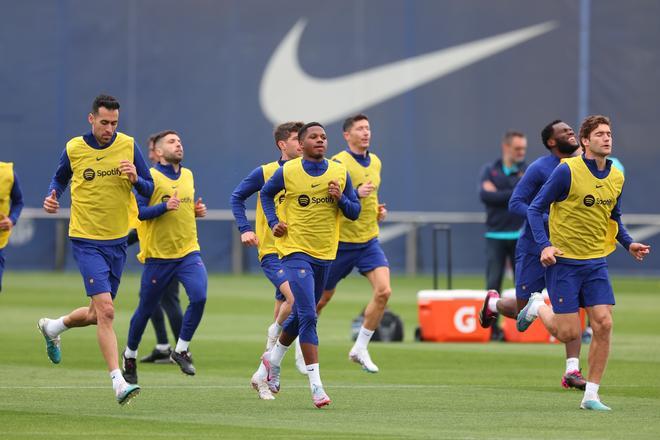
(105, 312)
(382, 294)
(568, 334)
(602, 324)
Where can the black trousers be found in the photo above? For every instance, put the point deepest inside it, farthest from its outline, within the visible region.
(497, 252)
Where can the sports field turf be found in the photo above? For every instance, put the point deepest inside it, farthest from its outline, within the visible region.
(424, 390)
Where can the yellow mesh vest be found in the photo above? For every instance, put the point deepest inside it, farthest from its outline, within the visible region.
(100, 194)
(173, 234)
(264, 233)
(366, 226)
(312, 215)
(581, 225)
(6, 185)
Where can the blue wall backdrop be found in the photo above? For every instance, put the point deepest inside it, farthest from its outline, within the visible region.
(223, 72)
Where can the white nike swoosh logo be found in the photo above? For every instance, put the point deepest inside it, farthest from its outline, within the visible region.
(288, 93)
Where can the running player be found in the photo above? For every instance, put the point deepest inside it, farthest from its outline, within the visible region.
(11, 205)
(286, 141)
(103, 166)
(583, 195)
(317, 192)
(560, 139)
(170, 251)
(358, 240)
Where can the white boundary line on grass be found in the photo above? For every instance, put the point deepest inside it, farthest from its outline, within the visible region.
(236, 387)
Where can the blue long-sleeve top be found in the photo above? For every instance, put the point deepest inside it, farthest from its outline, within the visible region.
(63, 173)
(248, 186)
(527, 188)
(146, 212)
(16, 197)
(555, 190)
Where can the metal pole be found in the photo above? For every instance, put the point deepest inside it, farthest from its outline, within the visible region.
(435, 258)
(448, 230)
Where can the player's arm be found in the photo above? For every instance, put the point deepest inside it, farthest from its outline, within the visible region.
(523, 192)
(554, 190)
(248, 186)
(488, 192)
(637, 250)
(16, 197)
(348, 202)
(146, 212)
(138, 173)
(58, 183)
(268, 192)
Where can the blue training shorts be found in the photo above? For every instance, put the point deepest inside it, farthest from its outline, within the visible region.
(272, 267)
(365, 258)
(571, 286)
(100, 266)
(530, 275)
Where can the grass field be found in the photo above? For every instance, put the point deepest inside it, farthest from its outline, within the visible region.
(424, 390)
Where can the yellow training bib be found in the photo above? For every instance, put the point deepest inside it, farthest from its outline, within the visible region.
(312, 215)
(173, 234)
(6, 185)
(264, 233)
(581, 225)
(100, 194)
(366, 226)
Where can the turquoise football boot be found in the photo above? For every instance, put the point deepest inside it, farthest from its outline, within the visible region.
(52, 344)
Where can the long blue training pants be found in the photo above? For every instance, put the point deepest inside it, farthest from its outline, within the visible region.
(190, 272)
(307, 281)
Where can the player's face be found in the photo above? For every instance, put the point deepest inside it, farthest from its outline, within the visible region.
(170, 149)
(315, 143)
(104, 124)
(516, 149)
(359, 135)
(565, 138)
(291, 147)
(599, 143)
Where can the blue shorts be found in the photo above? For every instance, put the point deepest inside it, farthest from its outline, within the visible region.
(272, 267)
(365, 259)
(2, 266)
(100, 266)
(530, 275)
(571, 286)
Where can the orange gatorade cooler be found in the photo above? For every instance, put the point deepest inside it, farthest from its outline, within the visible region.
(451, 315)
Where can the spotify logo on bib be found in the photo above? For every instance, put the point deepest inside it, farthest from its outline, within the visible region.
(589, 200)
(89, 174)
(303, 200)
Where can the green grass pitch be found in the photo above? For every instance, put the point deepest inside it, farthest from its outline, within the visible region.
(424, 390)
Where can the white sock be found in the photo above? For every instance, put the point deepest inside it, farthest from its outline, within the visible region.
(314, 376)
(572, 364)
(591, 391)
(274, 330)
(261, 372)
(181, 346)
(118, 382)
(363, 338)
(492, 305)
(163, 347)
(534, 307)
(130, 354)
(56, 326)
(277, 353)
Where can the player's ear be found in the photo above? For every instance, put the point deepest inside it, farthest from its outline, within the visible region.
(90, 118)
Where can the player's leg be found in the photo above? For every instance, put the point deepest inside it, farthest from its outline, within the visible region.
(272, 360)
(272, 269)
(171, 305)
(341, 267)
(191, 272)
(495, 262)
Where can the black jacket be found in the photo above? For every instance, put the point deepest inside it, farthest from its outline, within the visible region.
(498, 217)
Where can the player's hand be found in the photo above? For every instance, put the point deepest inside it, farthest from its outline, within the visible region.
(280, 229)
(129, 170)
(382, 212)
(200, 208)
(5, 223)
(249, 238)
(51, 205)
(639, 250)
(488, 186)
(333, 190)
(548, 255)
(365, 189)
(173, 202)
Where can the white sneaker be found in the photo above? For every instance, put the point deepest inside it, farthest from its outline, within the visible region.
(273, 334)
(300, 360)
(362, 357)
(261, 387)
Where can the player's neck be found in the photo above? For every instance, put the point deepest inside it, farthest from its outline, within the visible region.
(175, 166)
(313, 159)
(600, 160)
(358, 150)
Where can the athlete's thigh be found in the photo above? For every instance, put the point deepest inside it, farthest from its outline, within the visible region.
(341, 267)
(301, 280)
(597, 288)
(271, 266)
(379, 278)
(191, 272)
(530, 275)
(93, 266)
(156, 277)
(372, 257)
(564, 282)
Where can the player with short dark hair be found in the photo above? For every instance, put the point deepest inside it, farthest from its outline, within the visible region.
(286, 141)
(317, 193)
(583, 196)
(559, 138)
(103, 166)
